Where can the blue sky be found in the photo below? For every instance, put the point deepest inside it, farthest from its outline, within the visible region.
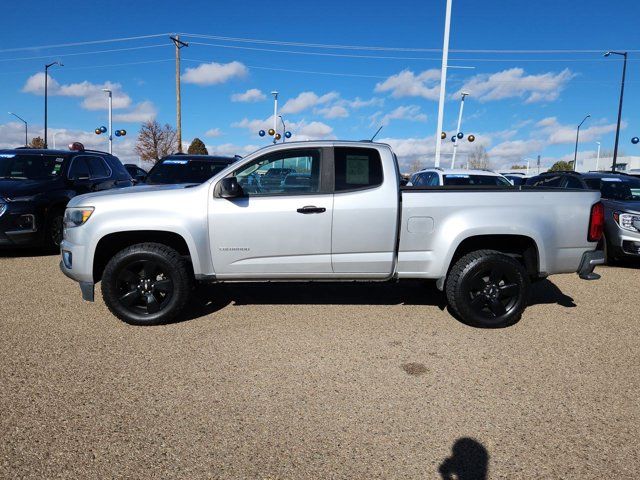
(521, 104)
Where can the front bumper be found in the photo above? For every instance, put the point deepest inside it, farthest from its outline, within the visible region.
(15, 234)
(588, 264)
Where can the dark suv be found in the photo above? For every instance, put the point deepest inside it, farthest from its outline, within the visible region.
(621, 199)
(36, 184)
(185, 168)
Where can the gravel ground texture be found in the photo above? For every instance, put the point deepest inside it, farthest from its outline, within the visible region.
(294, 381)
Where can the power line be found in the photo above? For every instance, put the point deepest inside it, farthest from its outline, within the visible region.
(83, 53)
(392, 49)
(91, 42)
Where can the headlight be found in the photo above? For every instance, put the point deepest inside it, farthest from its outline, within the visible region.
(76, 216)
(627, 221)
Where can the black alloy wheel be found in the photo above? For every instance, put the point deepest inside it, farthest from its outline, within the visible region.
(144, 286)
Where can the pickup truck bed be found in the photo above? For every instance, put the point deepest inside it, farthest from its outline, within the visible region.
(343, 217)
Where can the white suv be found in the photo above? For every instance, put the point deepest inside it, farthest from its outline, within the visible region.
(434, 177)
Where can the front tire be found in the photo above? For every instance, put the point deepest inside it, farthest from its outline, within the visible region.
(488, 289)
(54, 229)
(146, 284)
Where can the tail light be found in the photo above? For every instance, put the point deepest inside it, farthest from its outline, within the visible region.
(596, 223)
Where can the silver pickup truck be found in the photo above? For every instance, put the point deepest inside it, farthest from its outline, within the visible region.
(327, 211)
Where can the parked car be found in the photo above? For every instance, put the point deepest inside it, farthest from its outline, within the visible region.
(434, 177)
(181, 168)
(482, 245)
(37, 184)
(516, 178)
(138, 174)
(621, 199)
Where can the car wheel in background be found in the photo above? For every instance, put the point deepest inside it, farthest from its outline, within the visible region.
(146, 284)
(488, 289)
(54, 229)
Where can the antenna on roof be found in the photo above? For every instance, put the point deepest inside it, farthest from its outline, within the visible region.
(376, 134)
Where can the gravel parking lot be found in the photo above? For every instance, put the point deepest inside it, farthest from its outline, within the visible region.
(320, 381)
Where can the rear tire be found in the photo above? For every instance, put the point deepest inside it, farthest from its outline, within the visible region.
(146, 284)
(488, 289)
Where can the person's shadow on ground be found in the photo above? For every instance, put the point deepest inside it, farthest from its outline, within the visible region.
(469, 460)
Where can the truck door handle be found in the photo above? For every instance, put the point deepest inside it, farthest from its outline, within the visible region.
(311, 209)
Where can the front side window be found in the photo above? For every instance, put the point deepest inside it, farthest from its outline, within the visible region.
(29, 166)
(485, 180)
(292, 172)
(357, 168)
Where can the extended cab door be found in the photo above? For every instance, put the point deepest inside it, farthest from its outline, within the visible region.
(281, 226)
(365, 212)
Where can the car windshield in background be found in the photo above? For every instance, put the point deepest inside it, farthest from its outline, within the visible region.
(29, 166)
(617, 188)
(184, 171)
(486, 180)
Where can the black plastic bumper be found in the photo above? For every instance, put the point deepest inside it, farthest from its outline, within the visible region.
(588, 263)
(86, 288)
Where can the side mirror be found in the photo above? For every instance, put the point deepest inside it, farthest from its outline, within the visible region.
(229, 188)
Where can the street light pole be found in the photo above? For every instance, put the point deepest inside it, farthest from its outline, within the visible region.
(598, 157)
(26, 128)
(624, 72)
(455, 144)
(54, 138)
(443, 80)
(275, 114)
(284, 128)
(575, 154)
(110, 116)
(46, 85)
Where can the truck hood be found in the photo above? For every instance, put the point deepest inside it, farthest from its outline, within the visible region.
(627, 206)
(10, 188)
(128, 193)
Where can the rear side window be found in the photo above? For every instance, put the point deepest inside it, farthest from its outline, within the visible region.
(79, 169)
(572, 182)
(357, 168)
(98, 167)
(550, 181)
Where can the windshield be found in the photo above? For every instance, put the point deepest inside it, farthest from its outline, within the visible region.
(30, 166)
(464, 179)
(183, 171)
(617, 188)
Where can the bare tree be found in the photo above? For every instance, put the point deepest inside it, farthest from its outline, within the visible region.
(156, 141)
(415, 166)
(479, 158)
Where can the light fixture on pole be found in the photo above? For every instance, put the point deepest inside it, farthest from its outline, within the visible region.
(46, 85)
(26, 128)
(598, 157)
(110, 117)
(624, 72)
(575, 153)
(443, 81)
(455, 144)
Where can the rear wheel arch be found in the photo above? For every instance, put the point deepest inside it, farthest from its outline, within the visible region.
(521, 247)
(112, 243)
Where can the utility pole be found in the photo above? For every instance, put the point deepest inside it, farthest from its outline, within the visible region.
(178, 44)
(538, 164)
(443, 80)
(598, 157)
(275, 114)
(455, 144)
(110, 116)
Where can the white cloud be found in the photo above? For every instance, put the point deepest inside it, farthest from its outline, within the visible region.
(142, 112)
(93, 96)
(407, 84)
(213, 132)
(359, 103)
(310, 131)
(405, 112)
(558, 134)
(335, 111)
(251, 95)
(514, 82)
(307, 100)
(214, 73)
